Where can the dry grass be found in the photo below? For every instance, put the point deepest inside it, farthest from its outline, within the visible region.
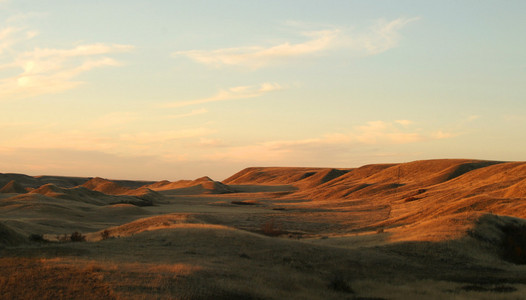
(31, 278)
(60, 278)
(193, 247)
(23, 278)
(146, 281)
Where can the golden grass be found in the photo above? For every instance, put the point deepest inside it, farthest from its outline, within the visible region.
(24, 278)
(61, 278)
(383, 226)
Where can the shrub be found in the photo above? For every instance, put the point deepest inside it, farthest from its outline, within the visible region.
(77, 237)
(37, 238)
(105, 235)
(338, 283)
(270, 228)
(513, 244)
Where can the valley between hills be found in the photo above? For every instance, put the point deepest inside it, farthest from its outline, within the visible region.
(432, 229)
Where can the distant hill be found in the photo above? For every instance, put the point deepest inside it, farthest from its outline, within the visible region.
(13, 187)
(203, 185)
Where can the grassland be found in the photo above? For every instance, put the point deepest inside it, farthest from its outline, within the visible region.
(435, 229)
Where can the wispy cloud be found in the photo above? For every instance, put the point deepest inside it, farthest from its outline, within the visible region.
(260, 56)
(160, 137)
(206, 146)
(73, 139)
(211, 143)
(383, 36)
(374, 133)
(379, 38)
(79, 51)
(439, 135)
(48, 70)
(11, 35)
(404, 122)
(234, 93)
(132, 143)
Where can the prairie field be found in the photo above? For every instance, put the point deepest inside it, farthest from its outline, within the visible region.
(434, 229)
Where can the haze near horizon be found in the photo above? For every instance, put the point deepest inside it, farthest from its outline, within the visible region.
(171, 90)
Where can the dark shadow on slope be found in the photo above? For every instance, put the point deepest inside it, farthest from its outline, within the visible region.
(462, 169)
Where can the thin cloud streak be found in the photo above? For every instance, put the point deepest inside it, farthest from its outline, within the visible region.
(165, 136)
(88, 139)
(81, 50)
(234, 93)
(383, 35)
(377, 39)
(48, 70)
(258, 56)
(8, 37)
(374, 133)
(207, 146)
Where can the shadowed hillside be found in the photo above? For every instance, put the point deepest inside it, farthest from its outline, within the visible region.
(13, 187)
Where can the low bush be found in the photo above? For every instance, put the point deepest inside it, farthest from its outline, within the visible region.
(77, 237)
(513, 244)
(338, 283)
(104, 235)
(37, 238)
(270, 228)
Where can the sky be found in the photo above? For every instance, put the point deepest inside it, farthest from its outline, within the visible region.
(155, 90)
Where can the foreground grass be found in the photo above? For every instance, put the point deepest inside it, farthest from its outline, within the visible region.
(29, 278)
(75, 278)
(66, 278)
(34, 278)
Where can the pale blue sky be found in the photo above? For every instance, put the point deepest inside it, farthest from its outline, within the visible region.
(181, 89)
